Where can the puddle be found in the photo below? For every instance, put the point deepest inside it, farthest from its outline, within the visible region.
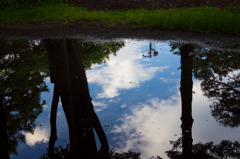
(135, 91)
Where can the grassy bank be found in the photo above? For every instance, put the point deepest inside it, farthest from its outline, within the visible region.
(203, 19)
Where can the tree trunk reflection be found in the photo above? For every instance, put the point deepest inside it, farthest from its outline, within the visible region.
(68, 75)
(3, 133)
(186, 98)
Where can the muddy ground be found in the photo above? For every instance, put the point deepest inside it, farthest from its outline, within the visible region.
(89, 31)
(95, 33)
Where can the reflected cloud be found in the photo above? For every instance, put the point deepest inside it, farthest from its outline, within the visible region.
(168, 80)
(150, 127)
(40, 135)
(123, 106)
(46, 107)
(47, 80)
(122, 72)
(99, 105)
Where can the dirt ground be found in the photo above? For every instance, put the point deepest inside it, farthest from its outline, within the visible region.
(150, 4)
(92, 32)
(218, 41)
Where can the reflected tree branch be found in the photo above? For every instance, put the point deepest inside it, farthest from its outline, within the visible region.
(53, 118)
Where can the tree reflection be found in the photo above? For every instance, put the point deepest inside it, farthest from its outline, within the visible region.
(219, 72)
(220, 75)
(23, 67)
(186, 98)
(225, 149)
(70, 83)
(64, 153)
(186, 53)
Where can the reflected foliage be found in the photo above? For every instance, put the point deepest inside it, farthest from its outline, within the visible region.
(23, 67)
(225, 149)
(64, 153)
(97, 53)
(220, 75)
(59, 153)
(176, 47)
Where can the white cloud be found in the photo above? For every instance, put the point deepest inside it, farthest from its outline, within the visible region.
(59, 104)
(123, 106)
(39, 135)
(167, 80)
(59, 113)
(46, 107)
(151, 125)
(122, 72)
(100, 106)
(47, 80)
(174, 73)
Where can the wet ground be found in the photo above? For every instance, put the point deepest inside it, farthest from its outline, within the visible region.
(91, 32)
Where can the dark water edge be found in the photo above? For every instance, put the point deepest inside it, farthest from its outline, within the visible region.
(90, 32)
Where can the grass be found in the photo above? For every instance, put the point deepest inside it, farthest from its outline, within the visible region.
(203, 19)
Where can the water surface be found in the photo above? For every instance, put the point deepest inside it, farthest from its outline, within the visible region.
(135, 95)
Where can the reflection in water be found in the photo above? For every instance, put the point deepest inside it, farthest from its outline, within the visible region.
(186, 98)
(39, 135)
(23, 67)
(226, 149)
(220, 84)
(123, 72)
(145, 129)
(220, 77)
(141, 92)
(70, 83)
(151, 52)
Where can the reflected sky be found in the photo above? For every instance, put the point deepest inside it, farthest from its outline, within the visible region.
(138, 102)
(123, 72)
(39, 135)
(150, 126)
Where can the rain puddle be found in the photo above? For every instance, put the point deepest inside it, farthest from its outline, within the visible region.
(152, 98)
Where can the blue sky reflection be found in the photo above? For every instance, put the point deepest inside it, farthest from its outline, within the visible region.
(138, 103)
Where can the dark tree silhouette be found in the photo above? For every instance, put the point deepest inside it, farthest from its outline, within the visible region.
(23, 67)
(186, 53)
(186, 98)
(225, 149)
(3, 134)
(70, 83)
(64, 153)
(219, 72)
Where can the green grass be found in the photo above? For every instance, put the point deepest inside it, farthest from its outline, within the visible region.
(204, 19)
